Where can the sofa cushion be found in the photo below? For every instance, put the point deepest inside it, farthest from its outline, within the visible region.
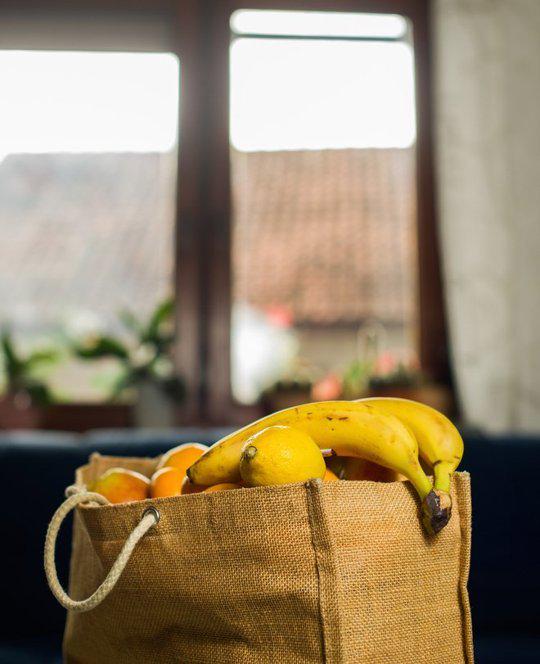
(506, 649)
(31, 651)
(505, 575)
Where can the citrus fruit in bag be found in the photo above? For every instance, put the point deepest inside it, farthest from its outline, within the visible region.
(166, 482)
(182, 456)
(120, 485)
(225, 486)
(280, 455)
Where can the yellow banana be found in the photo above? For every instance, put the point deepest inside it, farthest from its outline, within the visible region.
(349, 428)
(439, 443)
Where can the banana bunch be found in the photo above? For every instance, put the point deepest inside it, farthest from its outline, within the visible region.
(393, 433)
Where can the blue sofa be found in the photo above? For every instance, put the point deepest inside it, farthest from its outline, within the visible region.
(504, 583)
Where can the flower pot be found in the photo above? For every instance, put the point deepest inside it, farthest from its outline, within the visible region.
(153, 409)
(436, 396)
(280, 399)
(17, 412)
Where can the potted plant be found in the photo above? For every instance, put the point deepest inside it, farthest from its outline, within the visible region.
(291, 389)
(285, 393)
(25, 394)
(385, 376)
(406, 384)
(146, 367)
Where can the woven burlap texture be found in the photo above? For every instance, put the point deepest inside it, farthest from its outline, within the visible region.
(339, 572)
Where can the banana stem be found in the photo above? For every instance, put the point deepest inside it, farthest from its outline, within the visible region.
(436, 503)
(442, 471)
(436, 511)
(420, 482)
(437, 506)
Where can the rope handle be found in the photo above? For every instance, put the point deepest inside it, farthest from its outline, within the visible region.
(75, 496)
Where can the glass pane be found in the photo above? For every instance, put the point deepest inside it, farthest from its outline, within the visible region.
(308, 95)
(87, 189)
(323, 163)
(318, 24)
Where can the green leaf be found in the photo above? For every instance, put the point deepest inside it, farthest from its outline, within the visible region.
(162, 313)
(12, 364)
(39, 393)
(43, 356)
(101, 347)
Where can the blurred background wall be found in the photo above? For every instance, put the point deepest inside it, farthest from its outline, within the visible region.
(487, 85)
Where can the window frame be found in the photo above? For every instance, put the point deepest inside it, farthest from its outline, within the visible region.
(216, 400)
(202, 279)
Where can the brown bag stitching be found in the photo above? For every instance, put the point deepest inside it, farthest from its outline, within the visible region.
(465, 512)
(326, 573)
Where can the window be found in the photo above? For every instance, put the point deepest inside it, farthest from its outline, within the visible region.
(87, 193)
(96, 203)
(322, 127)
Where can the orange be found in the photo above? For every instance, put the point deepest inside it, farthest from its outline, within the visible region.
(360, 469)
(183, 456)
(329, 476)
(225, 486)
(352, 468)
(166, 482)
(120, 485)
(189, 487)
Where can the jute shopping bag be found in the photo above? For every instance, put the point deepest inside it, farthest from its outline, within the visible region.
(338, 572)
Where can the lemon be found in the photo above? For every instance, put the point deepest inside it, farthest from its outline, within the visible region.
(280, 455)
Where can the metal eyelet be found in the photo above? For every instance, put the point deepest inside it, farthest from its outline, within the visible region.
(154, 512)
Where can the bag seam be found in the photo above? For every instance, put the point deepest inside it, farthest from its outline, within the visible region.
(464, 569)
(325, 564)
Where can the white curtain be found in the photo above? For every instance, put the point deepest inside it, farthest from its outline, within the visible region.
(487, 98)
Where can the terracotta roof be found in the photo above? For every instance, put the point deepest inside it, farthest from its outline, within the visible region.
(83, 232)
(327, 233)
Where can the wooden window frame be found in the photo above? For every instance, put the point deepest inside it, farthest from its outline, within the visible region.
(216, 402)
(202, 281)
